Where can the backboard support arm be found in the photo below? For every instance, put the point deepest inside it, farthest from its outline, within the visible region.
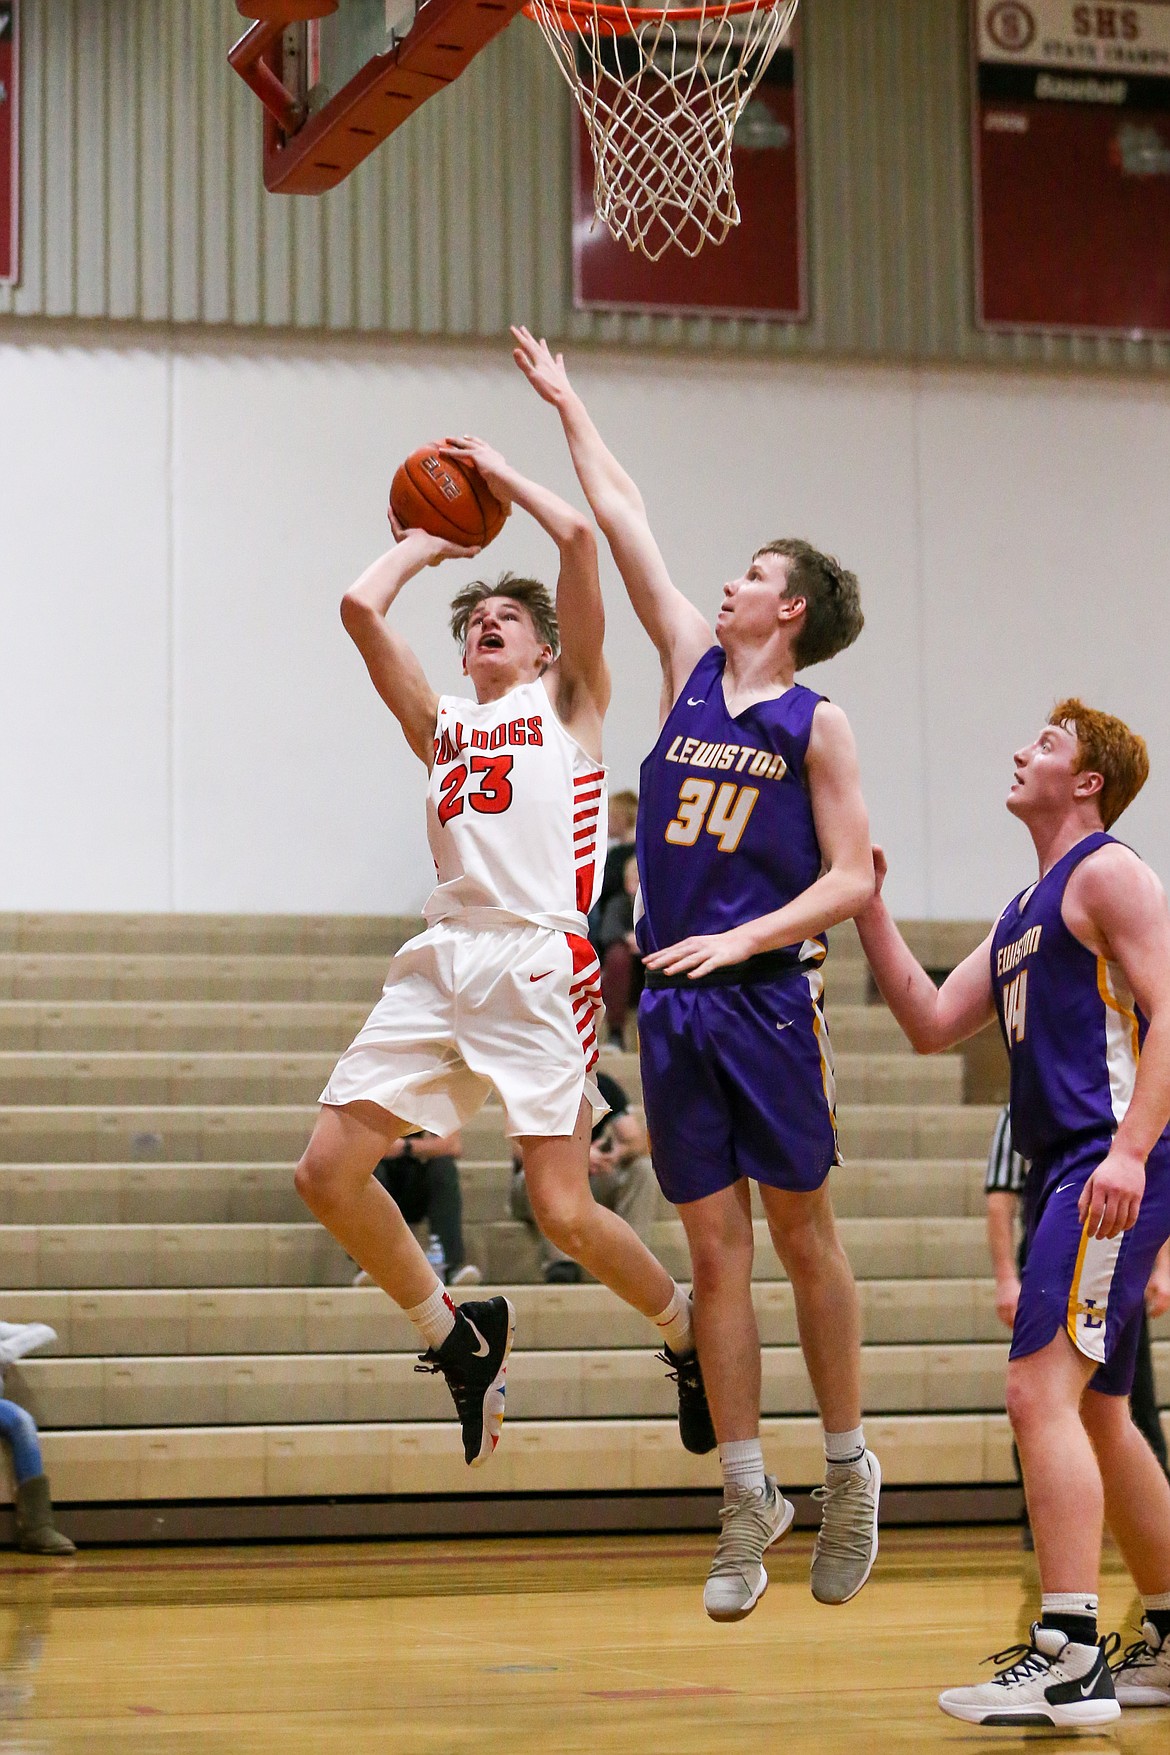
(307, 154)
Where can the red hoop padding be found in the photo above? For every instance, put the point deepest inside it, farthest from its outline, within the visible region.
(285, 11)
(626, 18)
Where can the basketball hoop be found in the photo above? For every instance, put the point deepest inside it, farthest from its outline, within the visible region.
(661, 89)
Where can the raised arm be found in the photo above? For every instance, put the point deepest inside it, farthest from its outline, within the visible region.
(580, 677)
(679, 631)
(394, 669)
(845, 884)
(932, 1018)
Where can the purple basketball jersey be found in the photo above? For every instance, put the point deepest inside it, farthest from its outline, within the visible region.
(1072, 1027)
(725, 824)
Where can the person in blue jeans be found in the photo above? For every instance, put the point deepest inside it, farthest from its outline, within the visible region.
(36, 1532)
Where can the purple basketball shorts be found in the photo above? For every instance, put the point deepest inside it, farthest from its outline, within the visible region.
(738, 1081)
(1091, 1287)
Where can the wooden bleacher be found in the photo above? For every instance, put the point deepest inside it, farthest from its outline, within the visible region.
(158, 1077)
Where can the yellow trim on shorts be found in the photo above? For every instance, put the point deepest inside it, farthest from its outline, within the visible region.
(816, 990)
(1074, 1307)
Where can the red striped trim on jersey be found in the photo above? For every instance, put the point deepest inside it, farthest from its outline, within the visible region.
(587, 790)
(585, 995)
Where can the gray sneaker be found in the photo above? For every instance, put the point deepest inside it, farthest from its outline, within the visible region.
(847, 1541)
(1142, 1677)
(19, 1338)
(751, 1523)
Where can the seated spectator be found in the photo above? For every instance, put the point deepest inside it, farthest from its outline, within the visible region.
(420, 1173)
(620, 1176)
(621, 962)
(623, 820)
(36, 1532)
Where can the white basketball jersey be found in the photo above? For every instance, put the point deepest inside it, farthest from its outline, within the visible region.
(515, 807)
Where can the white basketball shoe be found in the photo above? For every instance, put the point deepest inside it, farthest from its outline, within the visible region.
(1051, 1681)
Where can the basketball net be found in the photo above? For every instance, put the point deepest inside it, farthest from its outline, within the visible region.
(661, 91)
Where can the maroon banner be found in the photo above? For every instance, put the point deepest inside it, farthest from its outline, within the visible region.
(759, 269)
(1072, 165)
(9, 144)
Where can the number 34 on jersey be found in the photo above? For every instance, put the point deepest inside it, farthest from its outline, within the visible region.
(723, 810)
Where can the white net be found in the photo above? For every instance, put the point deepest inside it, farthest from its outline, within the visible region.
(661, 93)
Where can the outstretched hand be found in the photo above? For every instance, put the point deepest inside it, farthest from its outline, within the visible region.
(491, 464)
(429, 549)
(544, 370)
(703, 953)
(880, 868)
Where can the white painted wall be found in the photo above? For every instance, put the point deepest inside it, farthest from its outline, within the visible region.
(184, 725)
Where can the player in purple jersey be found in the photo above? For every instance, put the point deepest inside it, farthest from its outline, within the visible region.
(752, 841)
(1077, 970)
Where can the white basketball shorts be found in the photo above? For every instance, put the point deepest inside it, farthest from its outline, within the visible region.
(466, 1009)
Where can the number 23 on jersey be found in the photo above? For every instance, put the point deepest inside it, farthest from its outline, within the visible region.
(490, 791)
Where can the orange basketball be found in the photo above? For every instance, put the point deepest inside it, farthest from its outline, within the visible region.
(446, 497)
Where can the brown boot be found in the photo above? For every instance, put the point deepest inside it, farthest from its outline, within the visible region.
(35, 1531)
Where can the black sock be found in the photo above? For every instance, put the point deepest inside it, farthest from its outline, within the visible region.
(1081, 1629)
(1160, 1619)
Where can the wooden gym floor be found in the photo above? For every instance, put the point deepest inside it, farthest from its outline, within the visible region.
(546, 1645)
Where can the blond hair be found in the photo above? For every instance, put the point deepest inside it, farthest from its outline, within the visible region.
(530, 594)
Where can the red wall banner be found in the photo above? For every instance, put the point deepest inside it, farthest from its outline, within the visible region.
(1072, 165)
(759, 269)
(9, 144)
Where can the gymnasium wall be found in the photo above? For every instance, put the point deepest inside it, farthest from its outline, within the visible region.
(183, 723)
(143, 198)
(204, 389)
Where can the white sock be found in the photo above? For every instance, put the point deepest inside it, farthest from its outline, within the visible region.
(674, 1324)
(1160, 1603)
(1069, 1602)
(845, 1447)
(742, 1463)
(434, 1318)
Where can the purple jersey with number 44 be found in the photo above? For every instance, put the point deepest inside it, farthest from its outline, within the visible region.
(725, 823)
(1073, 1029)
(1074, 1035)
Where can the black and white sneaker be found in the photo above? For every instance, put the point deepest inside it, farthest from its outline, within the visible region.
(474, 1361)
(694, 1416)
(1049, 1682)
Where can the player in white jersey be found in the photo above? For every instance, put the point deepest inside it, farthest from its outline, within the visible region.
(502, 987)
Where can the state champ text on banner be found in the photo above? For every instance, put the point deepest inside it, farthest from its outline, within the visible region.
(1071, 150)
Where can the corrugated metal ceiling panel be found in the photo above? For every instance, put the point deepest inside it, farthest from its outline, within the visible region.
(143, 198)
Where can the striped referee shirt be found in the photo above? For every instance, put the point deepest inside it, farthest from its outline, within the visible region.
(1006, 1170)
